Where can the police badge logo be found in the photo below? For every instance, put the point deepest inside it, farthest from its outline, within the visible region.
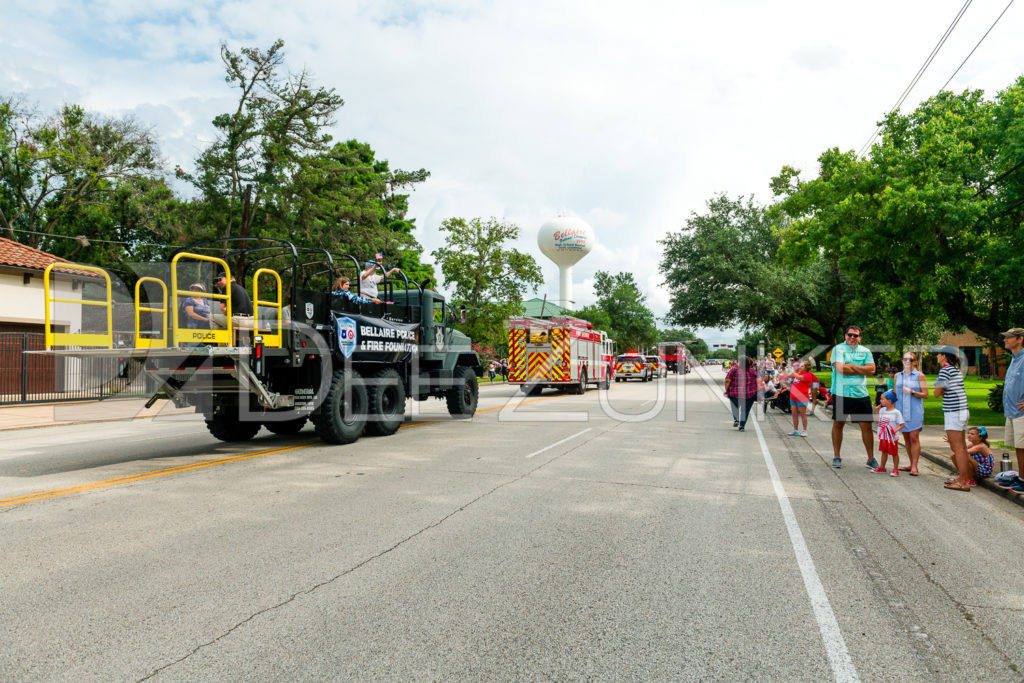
(346, 336)
(309, 310)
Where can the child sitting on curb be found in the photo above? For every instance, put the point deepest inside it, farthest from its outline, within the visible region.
(890, 422)
(981, 461)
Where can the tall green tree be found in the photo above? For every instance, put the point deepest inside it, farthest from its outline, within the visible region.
(63, 165)
(620, 310)
(486, 274)
(274, 170)
(277, 125)
(928, 225)
(723, 270)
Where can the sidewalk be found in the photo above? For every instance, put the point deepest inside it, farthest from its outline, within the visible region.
(27, 416)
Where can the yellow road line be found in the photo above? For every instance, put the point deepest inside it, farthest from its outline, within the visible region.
(90, 486)
(127, 479)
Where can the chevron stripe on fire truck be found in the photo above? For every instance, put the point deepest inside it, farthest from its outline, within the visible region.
(560, 344)
(540, 365)
(517, 355)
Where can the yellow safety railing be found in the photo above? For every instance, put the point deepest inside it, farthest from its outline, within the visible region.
(186, 335)
(149, 342)
(78, 338)
(270, 337)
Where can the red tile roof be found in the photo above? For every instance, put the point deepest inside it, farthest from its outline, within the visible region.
(16, 254)
(21, 256)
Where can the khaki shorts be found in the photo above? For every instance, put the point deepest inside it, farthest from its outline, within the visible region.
(1013, 436)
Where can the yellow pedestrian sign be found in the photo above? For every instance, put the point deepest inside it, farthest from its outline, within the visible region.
(777, 353)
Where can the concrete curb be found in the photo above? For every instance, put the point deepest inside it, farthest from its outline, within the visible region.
(946, 463)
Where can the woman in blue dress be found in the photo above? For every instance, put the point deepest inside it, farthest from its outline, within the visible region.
(911, 389)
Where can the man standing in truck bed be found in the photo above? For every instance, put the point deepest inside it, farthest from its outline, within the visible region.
(241, 306)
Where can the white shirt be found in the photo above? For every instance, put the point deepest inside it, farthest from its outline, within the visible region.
(368, 285)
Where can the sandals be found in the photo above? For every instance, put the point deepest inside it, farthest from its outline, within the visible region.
(956, 486)
(905, 468)
(952, 480)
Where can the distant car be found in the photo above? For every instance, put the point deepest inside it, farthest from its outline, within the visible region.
(632, 366)
(658, 366)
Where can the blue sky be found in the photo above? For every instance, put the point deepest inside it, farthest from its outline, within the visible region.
(628, 115)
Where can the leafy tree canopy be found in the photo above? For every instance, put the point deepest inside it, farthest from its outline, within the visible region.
(723, 270)
(486, 274)
(928, 226)
(620, 310)
(71, 174)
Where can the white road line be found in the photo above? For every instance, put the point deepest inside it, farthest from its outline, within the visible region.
(568, 438)
(831, 636)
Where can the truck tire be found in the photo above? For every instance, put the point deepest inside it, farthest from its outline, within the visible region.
(581, 388)
(385, 395)
(606, 384)
(226, 426)
(464, 394)
(286, 427)
(342, 418)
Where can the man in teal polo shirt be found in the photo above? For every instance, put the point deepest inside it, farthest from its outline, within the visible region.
(851, 365)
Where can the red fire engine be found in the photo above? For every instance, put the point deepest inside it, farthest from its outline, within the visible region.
(563, 352)
(674, 355)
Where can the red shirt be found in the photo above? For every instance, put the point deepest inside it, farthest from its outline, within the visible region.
(801, 389)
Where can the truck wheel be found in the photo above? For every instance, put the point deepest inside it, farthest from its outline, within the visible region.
(227, 427)
(464, 394)
(582, 388)
(385, 395)
(287, 426)
(607, 383)
(342, 417)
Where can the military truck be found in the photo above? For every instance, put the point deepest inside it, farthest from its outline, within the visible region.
(305, 354)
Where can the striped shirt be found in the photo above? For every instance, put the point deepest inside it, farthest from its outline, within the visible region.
(954, 398)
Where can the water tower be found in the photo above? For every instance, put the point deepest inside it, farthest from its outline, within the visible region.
(565, 240)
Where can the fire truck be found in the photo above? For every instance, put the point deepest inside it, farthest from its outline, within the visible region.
(674, 355)
(563, 352)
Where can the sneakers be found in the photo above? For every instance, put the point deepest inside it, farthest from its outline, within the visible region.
(880, 469)
(872, 464)
(735, 423)
(741, 428)
(837, 462)
(895, 472)
(793, 433)
(803, 433)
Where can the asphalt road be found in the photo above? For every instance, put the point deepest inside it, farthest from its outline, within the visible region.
(629, 534)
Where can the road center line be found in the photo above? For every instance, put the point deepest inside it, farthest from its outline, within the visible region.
(568, 438)
(831, 636)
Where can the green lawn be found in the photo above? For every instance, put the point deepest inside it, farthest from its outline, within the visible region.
(977, 400)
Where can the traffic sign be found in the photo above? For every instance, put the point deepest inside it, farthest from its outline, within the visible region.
(777, 353)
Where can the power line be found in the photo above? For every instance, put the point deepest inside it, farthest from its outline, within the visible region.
(976, 46)
(920, 72)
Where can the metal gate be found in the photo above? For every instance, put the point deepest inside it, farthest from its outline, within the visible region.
(35, 378)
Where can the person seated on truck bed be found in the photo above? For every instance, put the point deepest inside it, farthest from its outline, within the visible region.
(241, 306)
(196, 309)
(368, 279)
(340, 288)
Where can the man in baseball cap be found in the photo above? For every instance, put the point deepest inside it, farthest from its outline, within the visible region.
(368, 278)
(1013, 395)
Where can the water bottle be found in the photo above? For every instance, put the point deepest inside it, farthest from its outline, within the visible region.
(1004, 464)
